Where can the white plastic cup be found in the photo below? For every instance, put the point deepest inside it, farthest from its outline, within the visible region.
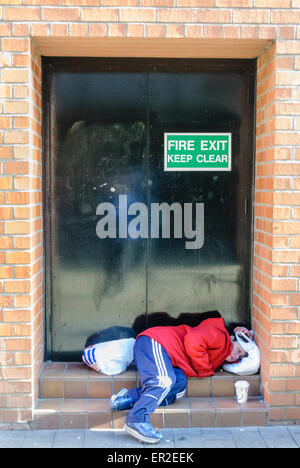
(241, 390)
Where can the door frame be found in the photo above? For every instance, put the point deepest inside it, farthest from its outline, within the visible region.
(82, 64)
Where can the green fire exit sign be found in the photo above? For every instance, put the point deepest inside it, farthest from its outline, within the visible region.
(197, 152)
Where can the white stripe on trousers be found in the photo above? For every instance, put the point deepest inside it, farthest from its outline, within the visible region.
(163, 378)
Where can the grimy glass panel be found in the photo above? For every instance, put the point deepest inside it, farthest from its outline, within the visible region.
(99, 124)
(107, 120)
(212, 277)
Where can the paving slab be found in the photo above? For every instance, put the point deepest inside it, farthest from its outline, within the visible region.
(124, 440)
(69, 438)
(11, 439)
(38, 439)
(295, 433)
(248, 437)
(193, 438)
(218, 438)
(234, 437)
(277, 437)
(99, 439)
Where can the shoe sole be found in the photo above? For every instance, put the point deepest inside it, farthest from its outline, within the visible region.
(140, 437)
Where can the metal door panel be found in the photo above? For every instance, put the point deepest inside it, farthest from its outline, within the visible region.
(213, 277)
(99, 123)
(104, 127)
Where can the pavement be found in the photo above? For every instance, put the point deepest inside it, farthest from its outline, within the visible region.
(192, 438)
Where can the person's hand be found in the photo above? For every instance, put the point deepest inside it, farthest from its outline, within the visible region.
(243, 330)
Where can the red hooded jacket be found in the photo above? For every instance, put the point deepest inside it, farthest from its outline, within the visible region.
(198, 351)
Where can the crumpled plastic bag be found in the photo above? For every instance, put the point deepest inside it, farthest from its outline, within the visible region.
(248, 365)
(110, 357)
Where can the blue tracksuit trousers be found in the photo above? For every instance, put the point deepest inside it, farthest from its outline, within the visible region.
(162, 384)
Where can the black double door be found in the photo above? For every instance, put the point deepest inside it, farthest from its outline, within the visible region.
(105, 122)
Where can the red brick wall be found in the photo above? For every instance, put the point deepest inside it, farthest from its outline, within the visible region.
(276, 265)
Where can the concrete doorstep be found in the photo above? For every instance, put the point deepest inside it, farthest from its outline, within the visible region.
(194, 438)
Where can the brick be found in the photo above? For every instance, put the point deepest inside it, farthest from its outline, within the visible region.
(155, 30)
(16, 373)
(6, 301)
(21, 183)
(18, 167)
(136, 30)
(194, 31)
(16, 107)
(21, 29)
(60, 30)
(213, 16)
(17, 227)
(20, 60)
(173, 30)
(5, 29)
(294, 328)
(20, 91)
(22, 272)
(175, 16)
(290, 78)
(295, 299)
(22, 212)
(288, 47)
(6, 387)
(234, 3)
(231, 31)
(9, 416)
(251, 16)
(286, 32)
(295, 242)
(81, 3)
(5, 91)
(18, 258)
(19, 401)
(16, 316)
(61, 14)
(5, 123)
(286, 198)
(267, 32)
(22, 242)
(286, 228)
(6, 330)
(15, 76)
(272, 3)
(139, 15)
(212, 31)
(281, 399)
(21, 122)
(5, 242)
(5, 213)
(18, 344)
(287, 17)
(17, 137)
(15, 45)
(99, 14)
(21, 286)
(40, 29)
(78, 30)
(23, 359)
(117, 30)
(281, 256)
(283, 314)
(292, 169)
(22, 301)
(193, 3)
(284, 285)
(22, 14)
(17, 198)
